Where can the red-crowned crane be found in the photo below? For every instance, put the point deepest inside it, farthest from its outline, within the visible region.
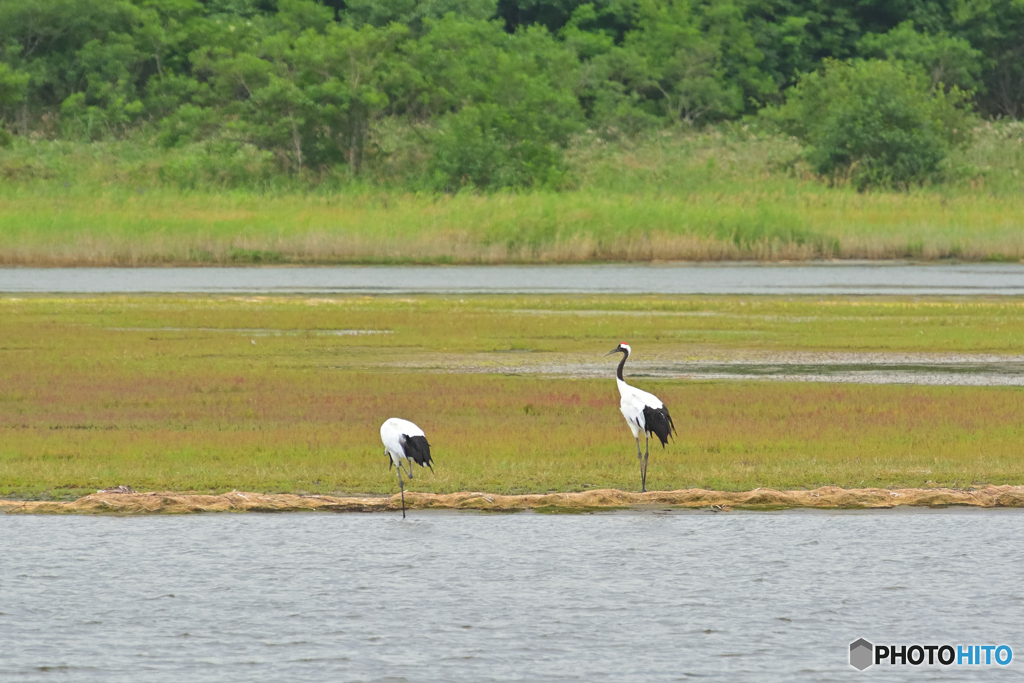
(405, 441)
(645, 414)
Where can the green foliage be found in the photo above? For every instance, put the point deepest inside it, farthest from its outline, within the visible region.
(680, 69)
(219, 166)
(873, 122)
(486, 93)
(679, 64)
(309, 97)
(947, 61)
(479, 147)
(996, 27)
(413, 12)
(504, 106)
(725, 192)
(13, 87)
(44, 39)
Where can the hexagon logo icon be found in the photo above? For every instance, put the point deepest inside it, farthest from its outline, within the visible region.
(862, 654)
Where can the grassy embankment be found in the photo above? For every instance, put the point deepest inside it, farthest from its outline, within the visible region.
(704, 196)
(171, 393)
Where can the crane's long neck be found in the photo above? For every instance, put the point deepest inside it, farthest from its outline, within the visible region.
(622, 363)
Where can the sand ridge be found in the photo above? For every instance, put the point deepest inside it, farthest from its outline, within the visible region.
(829, 497)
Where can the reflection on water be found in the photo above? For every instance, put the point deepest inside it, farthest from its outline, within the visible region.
(814, 278)
(526, 597)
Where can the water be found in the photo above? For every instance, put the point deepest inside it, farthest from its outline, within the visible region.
(526, 597)
(815, 278)
(979, 370)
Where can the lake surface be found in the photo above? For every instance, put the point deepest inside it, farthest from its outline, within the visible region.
(528, 597)
(814, 278)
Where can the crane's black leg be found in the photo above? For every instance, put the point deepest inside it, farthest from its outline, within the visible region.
(647, 452)
(640, 457)
(408, 467)
(402, 488)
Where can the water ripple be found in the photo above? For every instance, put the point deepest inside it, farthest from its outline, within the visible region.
(528, 597)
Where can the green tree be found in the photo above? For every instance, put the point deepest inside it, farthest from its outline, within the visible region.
(795, 35)
(13, 86)
(309, 95)
(946, 60)
(996, 28)
(682, 71)
(873, 121)
(413, 12)
(502, 105)
(682, 64)
(42, 39)
(110, 100)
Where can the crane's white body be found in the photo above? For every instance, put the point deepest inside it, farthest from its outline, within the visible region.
(403, 440)
(639, 407)
(632, 402)
(391, 433)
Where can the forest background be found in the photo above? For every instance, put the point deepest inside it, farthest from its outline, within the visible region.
(658, 109)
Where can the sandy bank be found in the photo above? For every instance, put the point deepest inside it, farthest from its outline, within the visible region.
(826, 497)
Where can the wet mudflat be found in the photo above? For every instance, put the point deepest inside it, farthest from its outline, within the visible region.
(927, 369)
(525, 597)
(992, 279)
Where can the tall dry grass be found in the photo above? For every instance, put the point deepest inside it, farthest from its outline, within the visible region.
(701, 197)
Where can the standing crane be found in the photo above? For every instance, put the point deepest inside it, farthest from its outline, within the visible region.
(644, 413)
(405, 441)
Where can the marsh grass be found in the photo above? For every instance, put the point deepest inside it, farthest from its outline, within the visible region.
(721, 194)
(96, 392)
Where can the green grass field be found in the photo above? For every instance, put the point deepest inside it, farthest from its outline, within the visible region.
(698, 196)
(279, 395)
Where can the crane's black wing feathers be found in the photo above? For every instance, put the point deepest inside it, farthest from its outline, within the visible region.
(659, 423)
(418, 450)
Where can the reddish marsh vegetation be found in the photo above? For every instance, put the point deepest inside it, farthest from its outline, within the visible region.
(254, 394)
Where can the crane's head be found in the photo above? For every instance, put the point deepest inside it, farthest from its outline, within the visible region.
(621, 348)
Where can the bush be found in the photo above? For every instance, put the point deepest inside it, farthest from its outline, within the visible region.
(944, 60)
(503, 105)
(874, 122)
(483, 147)
(224, 165)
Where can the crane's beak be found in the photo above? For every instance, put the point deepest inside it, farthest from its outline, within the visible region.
(615, 350)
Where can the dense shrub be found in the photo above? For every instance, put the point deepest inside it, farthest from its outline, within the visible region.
(503, 105)
(874, 122)
(946, 61)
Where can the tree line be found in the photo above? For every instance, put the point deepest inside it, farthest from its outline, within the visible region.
(489, 92)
